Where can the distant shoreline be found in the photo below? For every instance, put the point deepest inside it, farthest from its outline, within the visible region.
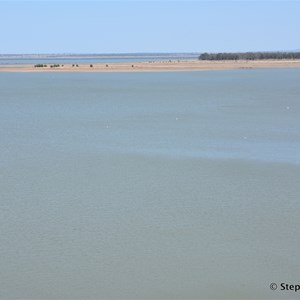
(155, 66)
(100, 56)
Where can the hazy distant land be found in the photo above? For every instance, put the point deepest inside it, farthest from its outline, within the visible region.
(93, 56)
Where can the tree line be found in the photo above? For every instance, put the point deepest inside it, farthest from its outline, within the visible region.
(249, 55)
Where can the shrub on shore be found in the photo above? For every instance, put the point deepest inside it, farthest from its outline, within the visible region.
(40, 66)
(55, 66)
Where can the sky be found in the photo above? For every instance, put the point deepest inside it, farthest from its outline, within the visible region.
(148, 26)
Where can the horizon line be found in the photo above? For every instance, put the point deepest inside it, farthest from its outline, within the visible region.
(139, 53)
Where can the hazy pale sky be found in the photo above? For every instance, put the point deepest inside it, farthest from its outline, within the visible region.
(148, 26)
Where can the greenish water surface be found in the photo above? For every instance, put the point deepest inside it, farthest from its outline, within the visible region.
(149, 185)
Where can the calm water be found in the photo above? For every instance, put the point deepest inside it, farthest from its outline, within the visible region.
(149, 185)
(102, 59)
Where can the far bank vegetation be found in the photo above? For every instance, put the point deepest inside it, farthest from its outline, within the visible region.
(249, 55)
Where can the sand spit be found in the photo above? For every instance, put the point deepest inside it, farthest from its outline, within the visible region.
(161, 66)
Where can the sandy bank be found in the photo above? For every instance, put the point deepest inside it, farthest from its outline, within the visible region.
(163, 66)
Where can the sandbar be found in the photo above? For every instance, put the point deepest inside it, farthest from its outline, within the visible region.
(156, 66)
